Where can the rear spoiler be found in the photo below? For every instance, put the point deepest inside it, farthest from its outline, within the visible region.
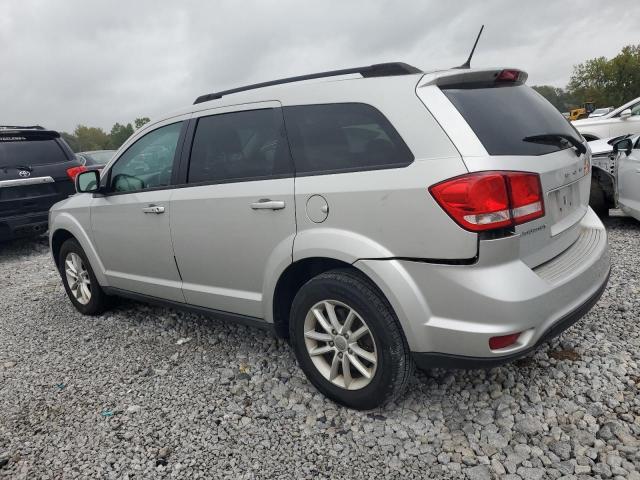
(475, 78)
(18, 134)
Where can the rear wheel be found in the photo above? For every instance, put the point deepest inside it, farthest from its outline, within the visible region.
(348, 341)
(79, 280)
(598, 199)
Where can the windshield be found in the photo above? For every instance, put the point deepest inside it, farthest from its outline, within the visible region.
(18, 150)
(505, 118)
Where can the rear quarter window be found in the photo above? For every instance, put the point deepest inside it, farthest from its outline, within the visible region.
(343, 137)
(503, 116)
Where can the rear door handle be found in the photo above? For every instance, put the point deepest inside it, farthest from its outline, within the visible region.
(268, 204)
(157, 209)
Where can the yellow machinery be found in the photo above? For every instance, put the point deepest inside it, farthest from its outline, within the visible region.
(582, 112)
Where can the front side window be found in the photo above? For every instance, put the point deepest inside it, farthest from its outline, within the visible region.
(343, 137)
(238, 146)
(148, 163)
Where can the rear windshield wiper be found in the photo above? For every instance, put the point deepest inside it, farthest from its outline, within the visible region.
(556, 139)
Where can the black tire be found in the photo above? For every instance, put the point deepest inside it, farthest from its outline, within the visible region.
(394, 363)
(99, 300)
(598, 200)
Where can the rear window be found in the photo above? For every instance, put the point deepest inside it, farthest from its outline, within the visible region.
(343, 137)
(19, 149)
(503, 116)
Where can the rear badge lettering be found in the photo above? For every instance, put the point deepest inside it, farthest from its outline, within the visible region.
(533, 230)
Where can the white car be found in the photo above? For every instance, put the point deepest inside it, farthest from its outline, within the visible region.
(623, 120)
(615, 180)
(601, 112)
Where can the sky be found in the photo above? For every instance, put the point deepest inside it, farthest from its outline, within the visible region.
(70, 62)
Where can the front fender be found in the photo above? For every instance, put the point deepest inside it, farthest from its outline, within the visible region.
(66, 221)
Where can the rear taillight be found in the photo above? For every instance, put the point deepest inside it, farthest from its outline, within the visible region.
(489, 200)
(74, 171)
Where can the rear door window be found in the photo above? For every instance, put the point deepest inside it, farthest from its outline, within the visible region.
(504, 116)
(343, 137)
(27, 149)
(240, 146)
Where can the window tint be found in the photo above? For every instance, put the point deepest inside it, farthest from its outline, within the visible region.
(502, 116)
(26, 150)
(148, 163)
(239, 146)
(343, 137)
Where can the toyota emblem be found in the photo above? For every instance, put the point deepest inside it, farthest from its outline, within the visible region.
(24, 173)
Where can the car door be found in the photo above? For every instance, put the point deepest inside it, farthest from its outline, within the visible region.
(629, 181)
(130, 221)
(234, 223)
(623, 126)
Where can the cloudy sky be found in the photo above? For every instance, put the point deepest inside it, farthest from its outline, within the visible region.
(70, 62)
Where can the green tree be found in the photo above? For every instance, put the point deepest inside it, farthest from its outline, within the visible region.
(91, 138)
(71, 140)
(139, 122)
(119, 134)
(608, 82)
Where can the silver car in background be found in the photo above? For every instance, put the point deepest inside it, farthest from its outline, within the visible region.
(378, 217)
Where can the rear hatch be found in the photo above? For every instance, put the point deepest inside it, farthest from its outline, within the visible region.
(33, 170)
(516, 129)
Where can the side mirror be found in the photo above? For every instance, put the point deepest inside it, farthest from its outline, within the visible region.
(88, 181)
(625, 145)
(626, 113)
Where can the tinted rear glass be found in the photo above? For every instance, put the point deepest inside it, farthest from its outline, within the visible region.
(343, 137)
(18, 149)
(502, 116)
(238, 146)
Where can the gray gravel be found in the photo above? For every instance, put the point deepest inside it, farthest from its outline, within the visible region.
(147, 392)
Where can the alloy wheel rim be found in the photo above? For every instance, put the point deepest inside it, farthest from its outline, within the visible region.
(78, 278)
(340, 344)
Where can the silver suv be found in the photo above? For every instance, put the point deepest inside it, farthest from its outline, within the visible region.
(378, 217)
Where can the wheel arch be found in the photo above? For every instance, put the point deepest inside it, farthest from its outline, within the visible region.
(63, 227)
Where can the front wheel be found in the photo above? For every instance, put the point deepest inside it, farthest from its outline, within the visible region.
(598, 199)
(79, 280)
(348, 341)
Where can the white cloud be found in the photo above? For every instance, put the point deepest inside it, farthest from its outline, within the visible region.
(98, 63)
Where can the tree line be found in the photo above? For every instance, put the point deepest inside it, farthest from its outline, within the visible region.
(84, 139)
(605, 82)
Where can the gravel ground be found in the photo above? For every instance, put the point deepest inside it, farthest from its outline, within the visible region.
(148, 392)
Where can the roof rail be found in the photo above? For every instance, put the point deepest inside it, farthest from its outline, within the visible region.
(18, 127)
(378, 70)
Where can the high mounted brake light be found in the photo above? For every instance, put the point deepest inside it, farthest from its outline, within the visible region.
(490, 200)
(508, 75)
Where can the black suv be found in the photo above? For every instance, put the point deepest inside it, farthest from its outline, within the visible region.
(37, 169)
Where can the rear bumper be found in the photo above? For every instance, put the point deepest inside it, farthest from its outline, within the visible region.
(449, 312)
(23, 225)
(426, 360)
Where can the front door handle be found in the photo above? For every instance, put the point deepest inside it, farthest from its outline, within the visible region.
(268, 204)
(157, 209)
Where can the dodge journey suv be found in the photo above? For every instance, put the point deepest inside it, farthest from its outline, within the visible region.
(378, 217)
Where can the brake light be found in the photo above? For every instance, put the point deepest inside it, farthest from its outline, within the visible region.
(74, 171)
(508, 76)
(503, 341)
(490, 200)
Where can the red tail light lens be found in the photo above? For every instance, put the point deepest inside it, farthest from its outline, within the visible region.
(74, 171)
(526, 197)
(503, 341)
(489, 200)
